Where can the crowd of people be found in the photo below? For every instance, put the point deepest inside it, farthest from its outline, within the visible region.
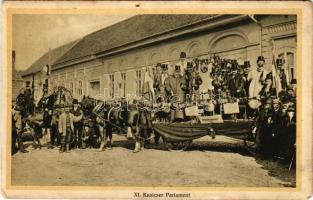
(266, 96)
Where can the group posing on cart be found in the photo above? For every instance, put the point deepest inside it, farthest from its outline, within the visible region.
(199, 96)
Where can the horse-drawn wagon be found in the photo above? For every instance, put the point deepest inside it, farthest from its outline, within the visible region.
(49, 105)
(179, 135)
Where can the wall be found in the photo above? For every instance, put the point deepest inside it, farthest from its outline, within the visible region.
(278, 36)
(236, 41)
(246, 36)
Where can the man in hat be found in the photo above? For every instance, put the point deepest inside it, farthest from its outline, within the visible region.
(191, 81)
(257, 78)
(46, 127)
(66, 128)
(246, 70)
(17, 124)
(173, 84)
(29, 98)
(206, 76)
(157, 79)
(78, 125)
(21, 101)
(283, 79)
(267, 90)
(183, 62)
(264, 123)
(231, 82)
(240, 81)
(293, 85)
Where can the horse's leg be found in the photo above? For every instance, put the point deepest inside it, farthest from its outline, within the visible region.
(101, 134)
(147, 135)
(37, 133)
(137, 139)
(34, 139)
(144, 135)
(108, 137)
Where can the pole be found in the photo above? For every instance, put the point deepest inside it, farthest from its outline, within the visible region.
(33, 84)
(49, 69)
(13, 59)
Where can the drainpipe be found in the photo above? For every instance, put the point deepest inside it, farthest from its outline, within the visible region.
(260, 25)
(33, 83)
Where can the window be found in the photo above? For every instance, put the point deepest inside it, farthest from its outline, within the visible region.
(123, 75)
(111, 85)
(79, 89)
(291, 63)
(71, 87)
(289, 66)
(138, 83)
(94, 88)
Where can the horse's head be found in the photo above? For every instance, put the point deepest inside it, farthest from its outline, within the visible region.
(131, 115)
(88, 104)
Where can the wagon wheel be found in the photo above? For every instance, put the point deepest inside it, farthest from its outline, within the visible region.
(178, 146)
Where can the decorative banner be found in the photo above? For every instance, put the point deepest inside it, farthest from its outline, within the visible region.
(231, 108)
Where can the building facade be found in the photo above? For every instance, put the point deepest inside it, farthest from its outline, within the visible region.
(37, 72)
(112, 62)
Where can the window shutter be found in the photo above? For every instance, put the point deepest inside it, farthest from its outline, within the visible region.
(105, 86)
(130, 84)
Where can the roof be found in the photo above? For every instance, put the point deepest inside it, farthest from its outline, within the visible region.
(130, 30)
(16, 75)
(44, 59)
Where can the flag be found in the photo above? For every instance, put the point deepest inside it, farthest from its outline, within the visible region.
(276, 80)
(147, 90)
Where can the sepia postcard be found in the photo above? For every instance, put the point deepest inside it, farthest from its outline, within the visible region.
(156, 100)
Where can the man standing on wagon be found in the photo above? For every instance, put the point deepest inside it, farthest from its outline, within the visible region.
(257, 78)
(173, 84)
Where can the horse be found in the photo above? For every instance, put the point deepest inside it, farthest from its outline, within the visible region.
(139, 119)
(111, 116)
(91, 126)
(49, 104)
(125, 118)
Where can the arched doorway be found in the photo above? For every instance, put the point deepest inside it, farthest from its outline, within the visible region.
(195, 49)
(230, 46)
(289, 57)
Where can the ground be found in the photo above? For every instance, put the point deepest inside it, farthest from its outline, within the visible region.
(206, 163)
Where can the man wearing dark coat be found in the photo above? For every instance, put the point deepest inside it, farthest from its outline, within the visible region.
(78, 125)
(283, 79)
(157, 79)
(173, 85)
(17, 123)
(264, 136)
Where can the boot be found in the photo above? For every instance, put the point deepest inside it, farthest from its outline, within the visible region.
(129, 133)
(102, 146)
(21, 146)
(109, 144)
(137, 147)
(34, 144)
(142, 145)
(39, 143)
(62, 146)
(67, 150)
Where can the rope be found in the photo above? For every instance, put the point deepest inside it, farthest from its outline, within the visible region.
(116, 126)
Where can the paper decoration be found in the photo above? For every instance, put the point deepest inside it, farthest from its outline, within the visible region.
(192, 111)
(231, 108)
